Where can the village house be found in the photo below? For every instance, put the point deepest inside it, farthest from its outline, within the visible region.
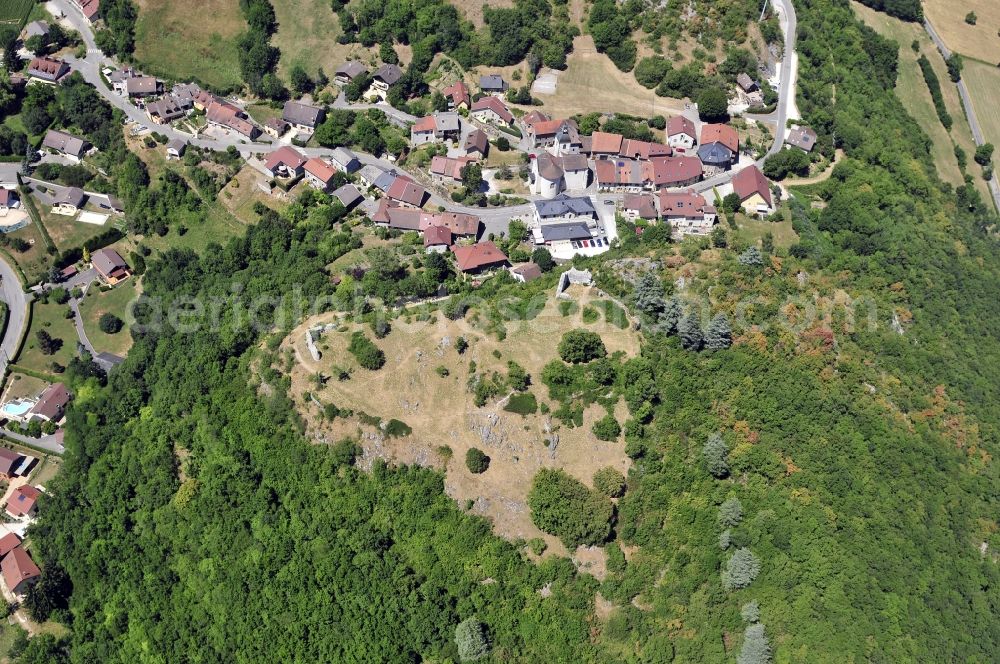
(8, 543)
(526, 272)
(9, 200)
(622, 175)
(344, 160)
(275, 127)
(493, 111)
(568, 140)
(437, 127)
(644, 150)
(391, 215)
(667, 172)
(51, 404)
(802, 138)
(167, 109)
(349, 71)
(66, 144)
(10, 461)
(406, 192)
(457, 95)
(639, 206)
(563, 237)
(551, 176)
(319, 174)
(384, 77)
(748, 90)
(142, 86)
(449, 168)
(190, 95)
(687, 213)
(754, 191)
(225, 115)
(604, 145)
(349, 196)
(176, 148)
(477, 144)
(369, 174)
(493, 84)
(479, 258)
(285, 162)
(437, 239)
(22, 501)
(111, 267)
(19, 571)
(302, 117)
(69, 201)
(89, 8)
(48, 69)
(542, 132)
(681, 133)
(563, 207)
(719, 147)
(35, 29)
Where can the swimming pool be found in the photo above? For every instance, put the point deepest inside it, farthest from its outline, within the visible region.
(16, 408)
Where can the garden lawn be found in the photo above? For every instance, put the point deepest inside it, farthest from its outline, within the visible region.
(50, 317)
(116, 301)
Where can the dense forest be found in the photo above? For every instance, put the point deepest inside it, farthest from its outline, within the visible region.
(819, 493)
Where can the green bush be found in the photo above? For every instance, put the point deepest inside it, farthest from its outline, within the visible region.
(607, 428)
(110, 323)
(397, 429)
(522, 404)
(563, 506)
(476, 461)
(610, 482)
(579, 346)
(366, 352)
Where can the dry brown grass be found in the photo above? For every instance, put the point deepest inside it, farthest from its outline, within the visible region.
(592, 83)
(440, 410)
(473, 9)
(983, 81)
(307, 35)
(979, 41)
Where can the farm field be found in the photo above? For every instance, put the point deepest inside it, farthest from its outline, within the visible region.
(591, 83)
(979, 41)
(116, 301)
(13, 12)
(916, 98)
(190, 39)
(440, 409)
(307, 35)
(983, 82)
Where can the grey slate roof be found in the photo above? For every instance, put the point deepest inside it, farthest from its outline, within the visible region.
(492, 82)
(714, 154)
(348, 195)
(64, 142)
(563, 205)
(388, 74)
(70, 196)
(36, 28)
(301, 114)
(568, 231)
(351, 70)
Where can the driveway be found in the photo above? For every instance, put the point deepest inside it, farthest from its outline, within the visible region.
(17, 300)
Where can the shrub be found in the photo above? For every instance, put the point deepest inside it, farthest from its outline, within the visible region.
(610, 482)
(461, 345)
(563, 506)
(579, 346)
(522, 404)
(442, 371)
(590, 315)
(365, 352)
(537, 545)
(110, 323)
(60, 295)
(397, 429)
(607, 428)
(476, 461)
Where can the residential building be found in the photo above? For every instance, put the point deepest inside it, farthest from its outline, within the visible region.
(531, 118)
(391, 215)
(176, 148)
(406, 192)
(168, 109)
(551, 176)
(385, 180)
(190, 95)
(437, 127)
(349, 196)
(89, 8)
(19, 571)
(802, 138)
(437, 239)
(543, 133)
(48, 69)
(564, 207)
(674, 172)
(493, 111)
(457, 95)
(562, 237)
(22, 501)
(385, 76)
(142, 86)
(68, 201)
(318, 173)
(681, 133)
(302, 117)
(449, 168)
(604, 145)
(9, 463)
(51, 405)
(748, 90)
(64, 143)
(632, 149)
(8, 543)
(477, 144)
(493, 84)
(526, 272)
(344, 160)
(639, 206)
(225, 115)
(719, 147)
(285, 162)
(622, 174)
(568, 140)
(36, 29)
(370, 174)
(110, 266)
(275, 127)
(479, 258)
(754, 191)
(687, 213)
(349, 71)
(9, 200)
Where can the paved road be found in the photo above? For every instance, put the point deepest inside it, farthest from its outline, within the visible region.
(13, 294)
(970, 112)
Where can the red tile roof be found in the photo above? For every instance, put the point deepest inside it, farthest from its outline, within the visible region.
(494, 104)
(320, 170)
(681, 204)
(289, 157)
(437, 235)
(534, 117)
(751, 181)
(605, 143)
(547, 127)
(17, 567)
(22, 500)
(720, 133)
(406, 191)
(680, 125)
(644, 149)
(458, 92)
(478, 256)
(449, 166)
(424, 124)
(668, 171)
(8, 543)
